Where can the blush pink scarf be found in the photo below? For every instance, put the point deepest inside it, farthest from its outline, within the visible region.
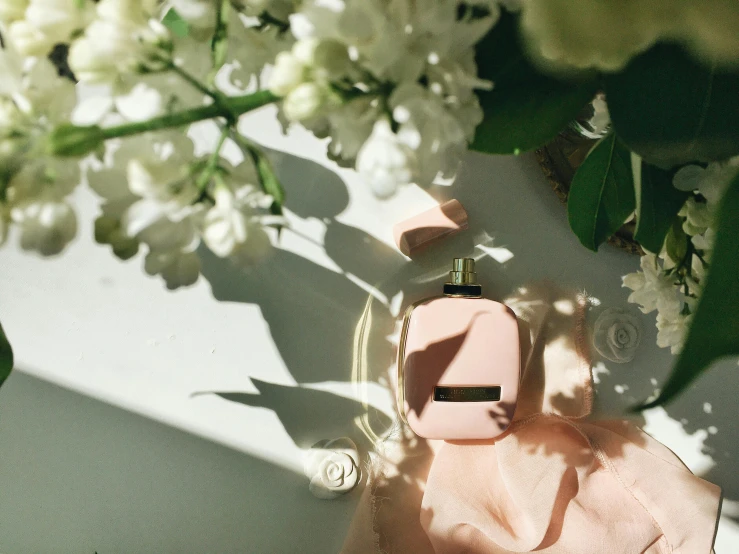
(554, 483)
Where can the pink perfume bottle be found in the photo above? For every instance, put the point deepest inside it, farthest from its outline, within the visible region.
(459, 362)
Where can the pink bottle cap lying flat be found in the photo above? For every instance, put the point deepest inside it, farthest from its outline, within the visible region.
(419, 231)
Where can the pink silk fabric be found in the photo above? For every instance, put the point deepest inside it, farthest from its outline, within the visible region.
(556, 482)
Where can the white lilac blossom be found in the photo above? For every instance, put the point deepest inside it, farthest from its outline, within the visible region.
(699, 211)
(250, 45)
(162, 178)
(46, 222)
(35, 186)
(262, 45)
(171, 252)
(654, 288)
(34, 27)
(303, 102)
(15, 128)
(670, 286)
(235, 219)
(200, 16)
(148, 195)
(124, 37)
(157, 193)
(356, 62)
(127, 48)
(12, 10)
(225, 226)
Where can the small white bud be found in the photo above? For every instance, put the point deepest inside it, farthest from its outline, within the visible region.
(287, 74)
(304, 102)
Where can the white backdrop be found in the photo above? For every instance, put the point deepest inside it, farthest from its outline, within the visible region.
(113, 458)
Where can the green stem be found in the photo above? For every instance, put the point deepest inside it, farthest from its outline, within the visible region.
(267, 178)
(191, 79)
(231, 106)
(219, 42)
(687, 261)
(217, 97)
(212, 165)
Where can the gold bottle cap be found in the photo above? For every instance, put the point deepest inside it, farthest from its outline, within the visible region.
(463, 272)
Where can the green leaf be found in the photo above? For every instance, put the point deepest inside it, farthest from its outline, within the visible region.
(714, 332)
(602, 193)
(657, 204)
(174, 22)
(270, 183)
(525, 109)
(267, 176)
(6, 357)
(676, 242)
(670, 109)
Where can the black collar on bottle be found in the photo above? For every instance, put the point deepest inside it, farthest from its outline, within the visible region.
(472, 291)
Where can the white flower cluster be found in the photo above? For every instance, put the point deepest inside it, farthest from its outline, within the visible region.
(111, 40)
(673, 286)
(654, 288)
(391, 82)
(123, 37)
(33, 186)
(34, 27)
(157, 192)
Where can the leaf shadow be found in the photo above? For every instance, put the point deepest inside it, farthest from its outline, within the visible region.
(433, 360)
(312, 310)
(309, 415)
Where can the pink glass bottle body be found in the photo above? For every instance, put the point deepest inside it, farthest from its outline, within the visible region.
(459, 344)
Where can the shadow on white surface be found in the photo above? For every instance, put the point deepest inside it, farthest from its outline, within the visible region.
(79, 476)
(310, 415)
(709, 411)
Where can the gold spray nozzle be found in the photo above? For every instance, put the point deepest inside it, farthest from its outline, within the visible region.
(463, 272)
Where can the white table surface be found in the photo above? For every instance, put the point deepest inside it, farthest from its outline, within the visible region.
(112, 442)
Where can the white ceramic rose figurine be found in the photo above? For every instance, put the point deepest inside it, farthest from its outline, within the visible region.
(616, 335)
(332, 467)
